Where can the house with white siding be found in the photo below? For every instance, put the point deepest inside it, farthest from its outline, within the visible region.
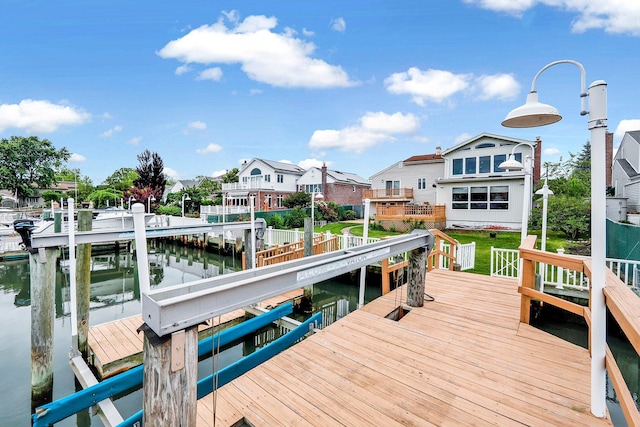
(477, 193)
(462, 186)
(270, 182)
(625, 174)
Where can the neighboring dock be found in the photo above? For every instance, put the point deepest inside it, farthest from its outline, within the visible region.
(463, 359)
(116, 346)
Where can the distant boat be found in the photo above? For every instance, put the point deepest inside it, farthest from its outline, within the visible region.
(117, 218)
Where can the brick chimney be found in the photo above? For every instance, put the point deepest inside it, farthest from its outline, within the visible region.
(537, 161)
(325, 190)
(608, 147)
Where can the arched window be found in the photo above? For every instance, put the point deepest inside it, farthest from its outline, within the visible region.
(256, 171)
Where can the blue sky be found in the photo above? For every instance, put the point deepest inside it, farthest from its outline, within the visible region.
(358, 85)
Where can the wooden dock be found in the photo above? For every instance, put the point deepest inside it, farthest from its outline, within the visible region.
(463, 359)
(116, 346)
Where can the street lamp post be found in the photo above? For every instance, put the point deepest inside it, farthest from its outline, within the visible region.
(314, 196)
(185, 196)
(513, 164)
(533, 114)
(129, 203)
(149, 200)
(545, 192)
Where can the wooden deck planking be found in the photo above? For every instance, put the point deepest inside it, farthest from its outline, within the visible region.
(116, 346)
(463, 359)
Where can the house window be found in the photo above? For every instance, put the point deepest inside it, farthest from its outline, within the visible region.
(422, 183)
(392, 188)
(267, 178)
(457, 166)
(244, 179)
(485, 164)
(486, 145)
(256, 171)
(280, 198)
(470, 165)
(460, 198)
(499, 197)
(499, 158)
(479, 198)
(313, 188)
(280, 178)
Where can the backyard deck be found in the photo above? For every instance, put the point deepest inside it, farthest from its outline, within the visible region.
(463, 359)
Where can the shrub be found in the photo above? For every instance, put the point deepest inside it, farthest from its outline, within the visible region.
(295, 218)
(169, 210)
(275, 221)
(348, 215)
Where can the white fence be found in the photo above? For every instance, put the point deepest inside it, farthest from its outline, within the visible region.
(505, 263)
(465, 254)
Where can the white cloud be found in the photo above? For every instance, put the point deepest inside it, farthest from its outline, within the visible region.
(339, 24)
(214, 74)
(77, 158)
(109, 133)
(135, 141)
(439, 85)
(278, 59)
(253, 92)
(40, 116)
(312, 163)
(307, 33)
(218, 173)
(500, 86)
(612, 16)
(551, 152)
(626, 126)
(431, 85)
(373, 128)
(182, 69)
(211, 148)
(198, 125)
(171, 173)
(461, 138)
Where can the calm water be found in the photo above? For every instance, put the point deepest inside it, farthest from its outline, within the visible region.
(114, 295)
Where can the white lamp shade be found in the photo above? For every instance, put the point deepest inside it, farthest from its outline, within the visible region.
(532, 114)
(542, 191)
(511, 164)
(319, 196)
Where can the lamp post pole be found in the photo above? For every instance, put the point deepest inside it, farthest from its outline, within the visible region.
(185, 196)
(513, 164)
(149, 200)
(533, 114)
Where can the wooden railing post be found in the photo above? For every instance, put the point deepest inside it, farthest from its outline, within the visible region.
(528, 275)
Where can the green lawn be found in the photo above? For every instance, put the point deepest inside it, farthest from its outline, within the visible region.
(484, 242)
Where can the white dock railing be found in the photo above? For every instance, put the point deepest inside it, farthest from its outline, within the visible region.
(505, 263)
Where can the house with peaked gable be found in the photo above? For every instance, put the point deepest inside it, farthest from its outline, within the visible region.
(477, 193)
(462, 186)
(409, 181)
(266, 180)
(625, 171)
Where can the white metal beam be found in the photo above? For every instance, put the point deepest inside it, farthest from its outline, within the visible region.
(178, 307)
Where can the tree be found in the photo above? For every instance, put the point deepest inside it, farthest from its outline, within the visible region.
(27, 163)
(105, 197)
(151, 173)
(299, 198)
(122, 179)
(231, 176)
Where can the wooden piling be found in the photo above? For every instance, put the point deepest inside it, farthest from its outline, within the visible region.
(248, 245)
(42, 267)
(170, 378)
(306, 303)
(417, 276)
(83, 281)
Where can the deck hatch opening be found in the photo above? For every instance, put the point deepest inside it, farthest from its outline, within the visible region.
(242, 422)
(398, 313)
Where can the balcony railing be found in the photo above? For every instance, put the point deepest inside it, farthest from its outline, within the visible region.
(431, 211)
(389, 193)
